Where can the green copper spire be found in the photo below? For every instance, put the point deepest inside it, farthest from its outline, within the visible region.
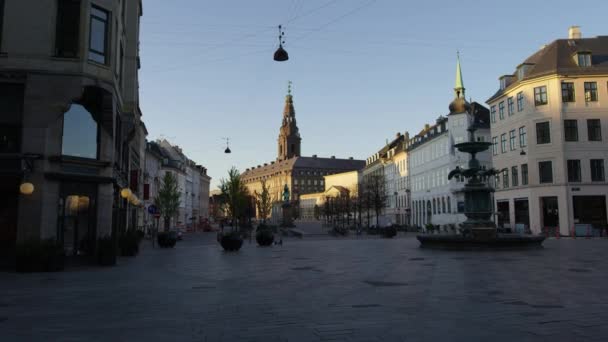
(459, 88)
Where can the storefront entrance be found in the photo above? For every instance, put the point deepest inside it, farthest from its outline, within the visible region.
(502, 211)
(522, 215)
(550, 213)
(590, 210)
(9, 201)
(77, 218)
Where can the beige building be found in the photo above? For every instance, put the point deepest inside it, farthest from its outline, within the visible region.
(302, 175)
(339, 184)
(549, 128)
(71, 124)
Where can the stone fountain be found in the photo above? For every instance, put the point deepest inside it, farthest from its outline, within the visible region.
(478, 231)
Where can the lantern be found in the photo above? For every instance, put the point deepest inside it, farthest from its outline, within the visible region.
(26, 188)
(281, 55)
(125, 193)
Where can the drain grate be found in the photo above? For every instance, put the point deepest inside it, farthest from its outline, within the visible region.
(416, 259)
(362, 306)
(384, 283)
(203, 287)
(579, 270)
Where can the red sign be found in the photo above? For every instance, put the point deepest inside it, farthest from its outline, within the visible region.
(157, 215)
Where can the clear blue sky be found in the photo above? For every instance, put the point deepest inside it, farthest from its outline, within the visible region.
(362, 70)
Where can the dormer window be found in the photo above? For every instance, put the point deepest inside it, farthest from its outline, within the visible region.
(583, 59)
(503, 83)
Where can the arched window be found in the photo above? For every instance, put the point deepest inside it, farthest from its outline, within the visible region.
(80, 131)
(443, 205)
(434, 207)
(449, 205)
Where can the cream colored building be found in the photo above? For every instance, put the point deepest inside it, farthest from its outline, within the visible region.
(70, 113)
(432, 155)
(550, 125)
(345, 183)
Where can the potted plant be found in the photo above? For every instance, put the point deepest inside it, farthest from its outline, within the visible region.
(167, 239)
(390, 231)
(236, 198)
(129, 243)
(264, 235)
(106, 251)
(36, 255)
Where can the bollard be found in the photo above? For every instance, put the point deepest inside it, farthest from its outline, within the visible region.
(573, 232)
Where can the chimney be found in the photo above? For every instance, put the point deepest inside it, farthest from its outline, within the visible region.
(333, 157)
(398, 135)
(574, 32)
(314, 156)
(350, 158)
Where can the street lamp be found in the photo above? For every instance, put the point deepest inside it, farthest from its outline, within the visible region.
(281, 55)
(26, 188)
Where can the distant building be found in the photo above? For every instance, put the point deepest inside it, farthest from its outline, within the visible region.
(432, 155)
(192, 179)
(549, 128)
(339, 184)
(302, 175)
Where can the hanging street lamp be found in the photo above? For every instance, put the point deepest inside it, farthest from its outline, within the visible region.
(281, 55)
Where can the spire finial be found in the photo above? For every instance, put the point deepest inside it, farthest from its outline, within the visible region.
(289, 88)
(459, 87)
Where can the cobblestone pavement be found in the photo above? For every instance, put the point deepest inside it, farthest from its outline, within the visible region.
(318, 290)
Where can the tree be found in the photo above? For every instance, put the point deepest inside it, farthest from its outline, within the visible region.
(235, 194)
(263, 201)
(376, 193)
(168, 198)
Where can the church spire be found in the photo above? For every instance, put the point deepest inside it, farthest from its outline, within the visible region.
(459, 87)
(289, 135)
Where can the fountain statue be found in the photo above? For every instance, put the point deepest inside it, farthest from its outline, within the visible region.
(478, 231)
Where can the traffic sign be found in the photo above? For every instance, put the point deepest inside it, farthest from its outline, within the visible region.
(152, 209)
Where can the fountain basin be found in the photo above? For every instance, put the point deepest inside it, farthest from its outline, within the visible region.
(464, 243)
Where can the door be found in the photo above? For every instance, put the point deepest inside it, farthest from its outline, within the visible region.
(549, 212)
(522, 215)
(9, 201)
(78, 208)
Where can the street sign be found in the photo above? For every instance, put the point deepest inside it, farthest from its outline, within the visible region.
(152, 209)
(157, 215)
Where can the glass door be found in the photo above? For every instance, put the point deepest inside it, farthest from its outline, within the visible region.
(77, 207)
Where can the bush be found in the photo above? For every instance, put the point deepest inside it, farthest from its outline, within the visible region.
(37, 255)
(231, 242)
(129, 243)
(390, 231)
(106, 251)
(264, 236)
(167, 239)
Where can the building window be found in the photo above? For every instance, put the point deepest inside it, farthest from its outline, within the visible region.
(597, 170)
(570, 130)
(574, 170)
(512, 140)
(545, 172)
(524, 174)
(523, 139)
(505, 179)
(543, 134)
(80, 132)
(594, 130)
(567, 92)
(510, 105)
(520, 101)
(503, 143)
(494, 145)
(590, 91)
(497, 181)
(493, 113)
(98, 35)
(501, 110)
(67, 28)
(514, 176)
(540, 96)
(584, 59)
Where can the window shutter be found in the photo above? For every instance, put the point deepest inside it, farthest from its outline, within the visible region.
(68, 27)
